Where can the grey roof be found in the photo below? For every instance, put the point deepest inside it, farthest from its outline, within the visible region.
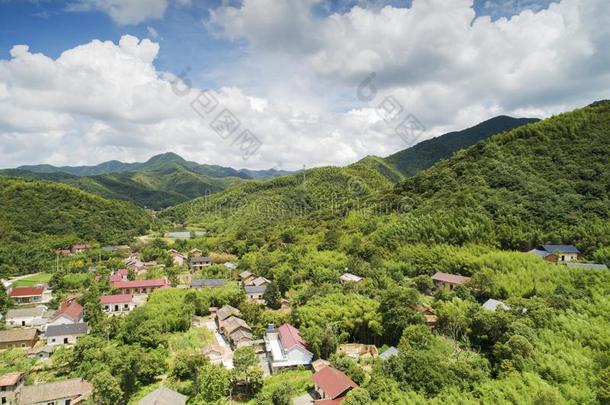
(492, 305)
(74, 388)
(66, 329)
(588, 266)
(392, 351)
(226, 312)
(26, 312)
(560, 248)
(209, 282)
(163, 396)
(255, 289)
(539, 252)
(17, 335)
(201, 259)
(230, 265)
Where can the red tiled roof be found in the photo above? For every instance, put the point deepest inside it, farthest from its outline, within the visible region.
(26, 291)
(450, 278)
(115, 277)
(158, 282)
(73, 311)
(333, 382)
(80, 246)
(116, 299)
(122, 272)
(290, 336)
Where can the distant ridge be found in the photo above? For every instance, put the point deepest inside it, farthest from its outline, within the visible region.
(423, 155)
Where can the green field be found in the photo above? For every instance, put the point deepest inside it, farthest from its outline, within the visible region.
(33, 280)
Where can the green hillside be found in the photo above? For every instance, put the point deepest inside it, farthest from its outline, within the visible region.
(39, 216)
(162, 181)
(545, 182)
(423, 155)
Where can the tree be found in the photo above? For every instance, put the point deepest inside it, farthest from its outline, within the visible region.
(397, 311)
(273, 296)
(214, 382)
(5, 300)
(358, 396)
(106, 389)
(247, 369)
(281, 395)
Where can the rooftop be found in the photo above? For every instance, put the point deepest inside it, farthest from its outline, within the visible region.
(116, 299)
(67, 329)
(209, 282)
(390, 352)
(38, 311)
(17, 335)
(333, 382)
(450, 278)
(163, 396)
(26, 291)
(559, 248)
(73, 311)
(493, 305)
(349, 277)
(201, 259)
(226, 312)
(255, 289)
(74, 388)
(158, 282)
(9, 379)
(290, 336)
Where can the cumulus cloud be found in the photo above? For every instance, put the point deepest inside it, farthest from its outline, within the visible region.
(103, 100)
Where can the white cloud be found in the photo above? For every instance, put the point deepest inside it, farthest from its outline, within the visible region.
(125, 12)
(152, 32)
(102, 100)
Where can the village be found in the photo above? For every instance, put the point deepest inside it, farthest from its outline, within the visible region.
(43, 320)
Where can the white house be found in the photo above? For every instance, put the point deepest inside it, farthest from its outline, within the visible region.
(255, 293)
(69, 313)
(286, 348)
(118, 304)
(65, 334)
(36, 317)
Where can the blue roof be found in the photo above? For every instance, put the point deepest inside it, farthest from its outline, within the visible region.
(560, 248)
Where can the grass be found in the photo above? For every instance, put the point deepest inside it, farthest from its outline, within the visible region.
(192, 341)
(33, 280)
(299, 381)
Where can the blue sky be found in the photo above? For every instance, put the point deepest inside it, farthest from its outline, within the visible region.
(85, 81)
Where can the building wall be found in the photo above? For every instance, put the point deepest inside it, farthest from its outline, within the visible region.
(59, 340)
(112, 308)
(27, 321)
(8, 395)
(20, 343)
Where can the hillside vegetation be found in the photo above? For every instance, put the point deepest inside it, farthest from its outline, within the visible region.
(38, 216)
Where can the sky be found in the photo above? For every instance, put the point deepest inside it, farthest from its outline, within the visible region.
(283, 83)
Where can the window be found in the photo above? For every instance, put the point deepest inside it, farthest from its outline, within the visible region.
(116, 307)
(65, 341)
(22, 323)
(53, 340)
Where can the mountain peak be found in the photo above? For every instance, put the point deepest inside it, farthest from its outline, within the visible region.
(166, 157)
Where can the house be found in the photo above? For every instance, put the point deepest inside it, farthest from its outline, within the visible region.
(163, 396)
(27, 295)
(36, 317)
(237, 331)
(245, 277)
(41, 352)
(331, 385)
(286, 348)
(63, 252)
(200, 262)
(120, 274)
(65, 334)
(557, 253)
(195, 252)
(449, 281)
(240, 338)
(255, 293)
(178, 258)
(208, 283)
(587, 266)
(350, 278)
(10, 384)
(140, 286)
(492, 305)
(390, 352)
(427, 312)
(69, 312)
(358, 350)
(13, 338)
(79, 248)
(225, 312)
(319, 364)
(67, 392)
(259, 281)
(118, 304)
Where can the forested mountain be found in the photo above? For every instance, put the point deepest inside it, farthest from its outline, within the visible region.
(423, 155)
(162, 181)
(38, 217)
(545, 182)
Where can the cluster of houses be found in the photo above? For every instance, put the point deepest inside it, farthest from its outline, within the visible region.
(568, 255)
(254, 286)
(74, 249)
(235, 330)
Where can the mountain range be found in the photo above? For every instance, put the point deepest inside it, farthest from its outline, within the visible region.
(166, 180)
